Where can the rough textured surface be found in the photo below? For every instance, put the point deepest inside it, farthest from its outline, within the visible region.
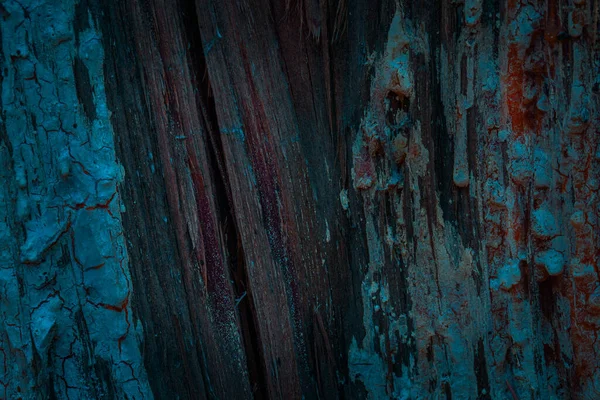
(65, 288)
(319, 199)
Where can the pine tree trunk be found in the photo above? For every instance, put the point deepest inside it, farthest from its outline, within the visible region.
(299, 199)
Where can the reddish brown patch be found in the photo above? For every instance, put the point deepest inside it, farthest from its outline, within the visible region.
(103, 206)
(553, 27)
(118, 308)
(364, 170)
(513, 90)
(95, 267)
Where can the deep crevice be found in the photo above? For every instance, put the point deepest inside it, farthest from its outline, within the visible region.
(84, 89)
(256, 366)
(481, 373)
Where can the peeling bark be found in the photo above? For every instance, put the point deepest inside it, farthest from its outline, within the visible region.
(67, 327)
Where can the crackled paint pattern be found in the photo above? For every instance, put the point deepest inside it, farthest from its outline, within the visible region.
(67, 330)
(502, 263)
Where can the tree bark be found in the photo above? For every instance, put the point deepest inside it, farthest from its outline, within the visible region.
(299, 199)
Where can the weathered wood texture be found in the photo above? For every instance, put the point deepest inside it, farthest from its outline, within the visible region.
(300, 199)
